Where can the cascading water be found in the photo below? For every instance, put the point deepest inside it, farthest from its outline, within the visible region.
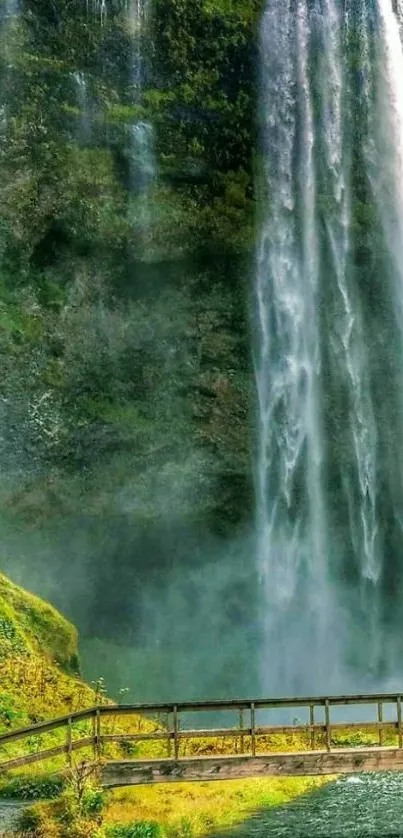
(82, 98)
(291, 520)
(143, 166)
(330, 76)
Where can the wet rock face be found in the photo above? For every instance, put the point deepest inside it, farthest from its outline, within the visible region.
(126, 399)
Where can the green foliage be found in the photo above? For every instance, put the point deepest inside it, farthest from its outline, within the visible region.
(141, 829)
(27, 623)
(31, 819)
(9, 712)
(120, 341)
(42, 787)
(93, 802)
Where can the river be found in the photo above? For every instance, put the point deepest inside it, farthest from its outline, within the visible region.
(9, 812)
(363, 806)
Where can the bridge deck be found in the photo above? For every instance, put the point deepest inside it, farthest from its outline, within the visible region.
(295, 763)
(164, 747)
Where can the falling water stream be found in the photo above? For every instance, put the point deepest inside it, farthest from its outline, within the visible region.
(329, 476)
(291, 524)
(143, 164)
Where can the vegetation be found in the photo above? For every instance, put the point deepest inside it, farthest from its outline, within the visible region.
(124, 341)
(37, 684)
(77, 260)
(125, 395)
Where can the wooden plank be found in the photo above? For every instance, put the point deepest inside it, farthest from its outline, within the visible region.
(234, 732)
(41, 756)
(45, 727)
(306, 763)
(399, 721)
(260, 703)
(194, 706)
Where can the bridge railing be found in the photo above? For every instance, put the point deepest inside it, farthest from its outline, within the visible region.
(100, 731)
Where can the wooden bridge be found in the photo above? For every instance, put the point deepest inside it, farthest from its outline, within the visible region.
(160, 743)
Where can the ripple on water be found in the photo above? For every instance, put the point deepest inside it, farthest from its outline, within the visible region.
(360, 806)
(9, 813)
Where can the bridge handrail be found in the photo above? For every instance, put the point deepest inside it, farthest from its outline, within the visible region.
(176, 735)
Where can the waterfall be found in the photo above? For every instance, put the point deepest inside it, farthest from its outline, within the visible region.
(82, 98)
(389, 176)
(348, 344)
(291, 516)
(141, 140)
(328, 504)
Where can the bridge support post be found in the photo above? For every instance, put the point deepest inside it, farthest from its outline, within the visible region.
(176, 730)
(399, 721)
(380, 720)
(69, 742)
(168, 726)
(328, 728)
(312, 722)
(253, 728)
(241, 728)
(97, 735)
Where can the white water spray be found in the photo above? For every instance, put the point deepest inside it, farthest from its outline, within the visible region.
(312, 339)
(291, 517)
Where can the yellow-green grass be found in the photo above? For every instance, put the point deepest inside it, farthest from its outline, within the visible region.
(39, 679)
(203, 807)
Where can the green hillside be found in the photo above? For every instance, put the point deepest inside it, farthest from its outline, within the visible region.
(40, 678)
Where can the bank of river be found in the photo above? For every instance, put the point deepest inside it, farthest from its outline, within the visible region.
(362, 806)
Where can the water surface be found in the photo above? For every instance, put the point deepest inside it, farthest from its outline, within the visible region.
(363, 806)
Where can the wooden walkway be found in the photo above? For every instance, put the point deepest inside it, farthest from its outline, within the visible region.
(218, 740)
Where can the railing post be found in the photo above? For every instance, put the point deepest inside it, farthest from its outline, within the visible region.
(380, 720)
(328, 728)
(312, 722)
(97, 738)
(69, 742)
(169, 749)
(94, 735)
(176, 730)
(241, 728)
(253, 728)
(399, 721)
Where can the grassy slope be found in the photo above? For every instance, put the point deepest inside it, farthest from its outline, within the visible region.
(39, 678)
(38, 660)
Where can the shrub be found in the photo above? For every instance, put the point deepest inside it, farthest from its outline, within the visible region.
(93, 802)
(37, 820)
(143, 829)
(32, 788)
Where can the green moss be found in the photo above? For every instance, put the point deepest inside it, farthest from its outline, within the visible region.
(28, 625)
